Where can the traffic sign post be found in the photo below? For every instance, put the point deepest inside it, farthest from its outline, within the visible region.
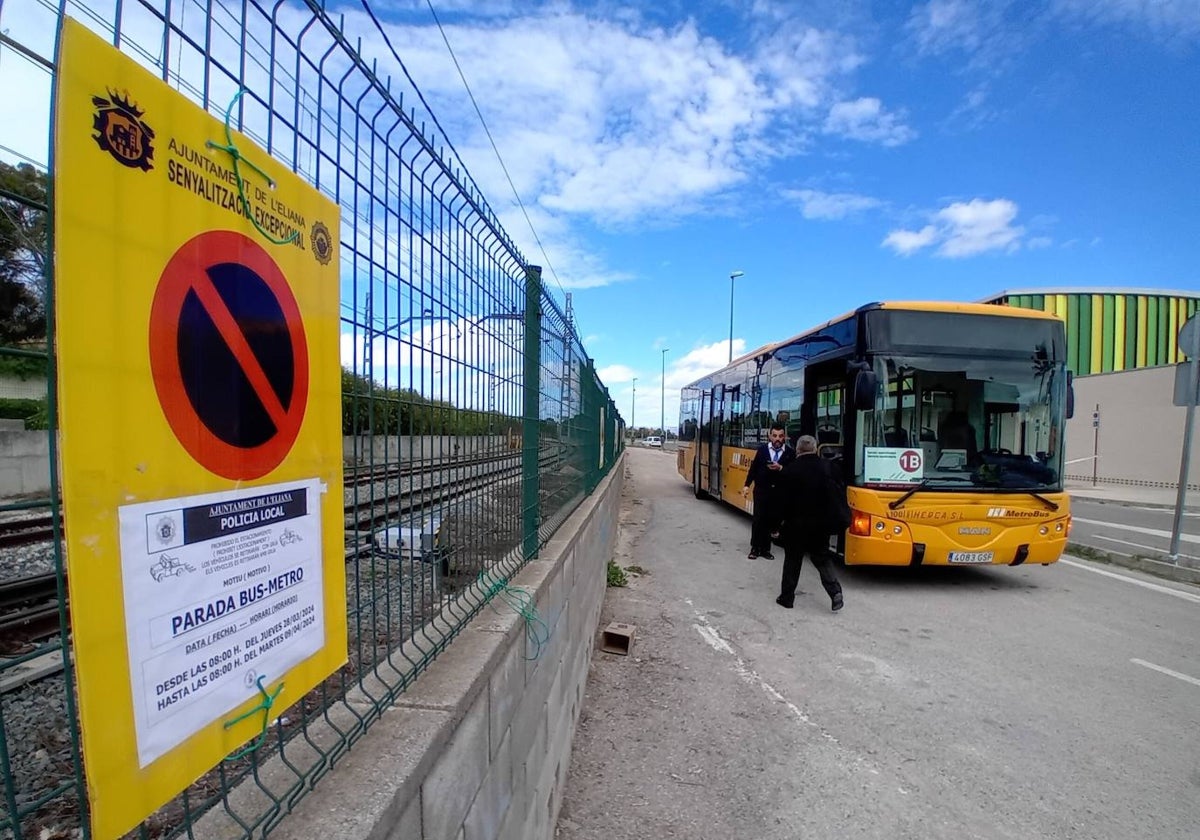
(199, 386)
(1189, 339)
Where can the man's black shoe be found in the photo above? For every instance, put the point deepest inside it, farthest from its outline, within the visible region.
(837, 602)
(752, 555)
(781, 601)
(766, 555)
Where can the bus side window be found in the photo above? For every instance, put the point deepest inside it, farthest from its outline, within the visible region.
(829, 412)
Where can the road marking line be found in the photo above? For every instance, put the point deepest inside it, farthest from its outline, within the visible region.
(1140, 545)
(1154, 532)
(1166, 590)
(714, 640)
(1167, 511)
(1166, 671)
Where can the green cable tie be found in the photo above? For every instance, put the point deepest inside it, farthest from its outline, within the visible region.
(238, 158)
(537, 632)
(264, 706)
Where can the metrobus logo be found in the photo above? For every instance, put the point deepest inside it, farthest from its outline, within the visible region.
(1005, 513)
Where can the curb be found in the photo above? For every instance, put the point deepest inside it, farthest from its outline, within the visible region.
(1106, 500)
(1148, 565)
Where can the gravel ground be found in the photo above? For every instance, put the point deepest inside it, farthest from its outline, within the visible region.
(39, 747)
(24, 560)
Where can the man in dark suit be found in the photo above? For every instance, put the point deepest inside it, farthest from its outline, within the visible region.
(765, 469)
(805, 497)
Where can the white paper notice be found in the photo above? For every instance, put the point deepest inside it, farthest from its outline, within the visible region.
(220, 589)
(890, 465)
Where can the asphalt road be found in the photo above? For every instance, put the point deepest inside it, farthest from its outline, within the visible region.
(1132, 529)
(1042, 702)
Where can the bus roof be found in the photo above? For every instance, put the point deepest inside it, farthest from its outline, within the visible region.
(905, 305)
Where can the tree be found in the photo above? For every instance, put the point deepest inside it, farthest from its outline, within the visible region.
(23, 223)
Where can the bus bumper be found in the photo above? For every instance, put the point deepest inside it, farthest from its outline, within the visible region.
(903, 550)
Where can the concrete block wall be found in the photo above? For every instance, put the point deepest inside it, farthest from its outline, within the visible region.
(479, 746)
(24, 463)
(1140, 439)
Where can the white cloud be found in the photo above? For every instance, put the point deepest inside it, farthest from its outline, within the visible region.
(614, 374)
(702, 360)
(904, 242)
(974, 112)
(992, 35)
(1037, 242)
(1172, 20)
(620, 118)
(822, 205)
(943, 25)
(977, 226)
(865, 119)
(964, 229)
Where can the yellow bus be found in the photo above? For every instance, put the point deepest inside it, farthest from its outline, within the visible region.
(946, 421)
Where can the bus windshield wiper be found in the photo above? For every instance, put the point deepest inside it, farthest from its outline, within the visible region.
(1047, 502)
(893, 505)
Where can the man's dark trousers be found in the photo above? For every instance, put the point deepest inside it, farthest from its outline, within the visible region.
(816, 545)
(766, 519)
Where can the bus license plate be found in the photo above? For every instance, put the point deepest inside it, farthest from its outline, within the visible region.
(971, 556)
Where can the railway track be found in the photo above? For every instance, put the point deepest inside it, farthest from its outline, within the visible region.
(25, 531)
(370, 514)
(29, 605)
(357, 476)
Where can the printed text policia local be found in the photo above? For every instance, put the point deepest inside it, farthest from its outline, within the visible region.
(245, 512)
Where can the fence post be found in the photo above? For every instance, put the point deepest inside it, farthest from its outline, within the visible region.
(592, 407)
(530, 478)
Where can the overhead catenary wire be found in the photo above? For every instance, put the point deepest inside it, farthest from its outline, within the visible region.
(387, 40)
(495, 149)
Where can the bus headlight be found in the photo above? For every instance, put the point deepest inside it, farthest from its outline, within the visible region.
(879, 526)
(896, 529)
(1044, 530)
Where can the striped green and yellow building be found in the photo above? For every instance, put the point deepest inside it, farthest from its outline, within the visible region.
(1111, 329)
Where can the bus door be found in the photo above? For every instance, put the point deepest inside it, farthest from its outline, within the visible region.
(703, 421)
(714, 440)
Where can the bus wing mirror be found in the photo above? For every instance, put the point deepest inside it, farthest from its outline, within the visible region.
(1070, 407)
(866, 386)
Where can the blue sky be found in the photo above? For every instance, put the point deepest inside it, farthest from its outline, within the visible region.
(836, 152)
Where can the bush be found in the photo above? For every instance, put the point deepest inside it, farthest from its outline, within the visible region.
(616, 575)
(14, 409)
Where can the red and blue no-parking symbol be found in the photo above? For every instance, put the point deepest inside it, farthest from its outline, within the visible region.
(228, 354)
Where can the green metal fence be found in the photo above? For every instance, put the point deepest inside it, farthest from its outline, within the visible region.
(474, 421)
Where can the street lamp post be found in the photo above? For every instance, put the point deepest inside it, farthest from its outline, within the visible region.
(633, 409)
(732, 276)
(663, 406)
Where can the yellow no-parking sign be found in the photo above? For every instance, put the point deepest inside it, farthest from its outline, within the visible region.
(196, 303)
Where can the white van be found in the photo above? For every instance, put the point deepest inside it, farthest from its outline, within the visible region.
(653, 440)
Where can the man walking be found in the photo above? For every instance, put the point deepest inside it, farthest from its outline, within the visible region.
(809, 519)
(765, 469)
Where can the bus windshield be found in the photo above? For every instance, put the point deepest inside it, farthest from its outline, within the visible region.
(951, 422)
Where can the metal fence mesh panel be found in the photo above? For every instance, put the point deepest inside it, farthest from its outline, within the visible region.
(473, 420)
